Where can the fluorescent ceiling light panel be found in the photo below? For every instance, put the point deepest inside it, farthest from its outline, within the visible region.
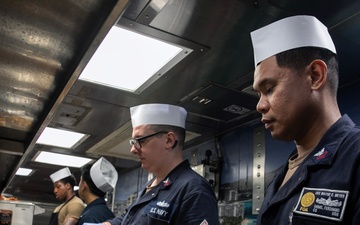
(61, 159)
(60, 138)
(23, 172)
(126, 60)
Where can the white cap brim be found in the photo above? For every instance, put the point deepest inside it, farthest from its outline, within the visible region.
(289, 33)
(60, 174)
(158, 114)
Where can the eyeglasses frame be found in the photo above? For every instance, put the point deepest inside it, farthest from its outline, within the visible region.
(138, 140)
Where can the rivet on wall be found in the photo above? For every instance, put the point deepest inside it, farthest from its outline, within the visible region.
(258, 169)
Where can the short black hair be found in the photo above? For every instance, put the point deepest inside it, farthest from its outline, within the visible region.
(298, 58)
(85, 174)
(70, 179)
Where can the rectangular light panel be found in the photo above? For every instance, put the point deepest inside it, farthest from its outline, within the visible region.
(61, 159)
(126, 59)
(60, 138)
(23, 172)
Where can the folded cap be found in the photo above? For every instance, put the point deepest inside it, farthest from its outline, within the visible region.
(104, 175)
(158, 114)
(60, 174)
(289, 33)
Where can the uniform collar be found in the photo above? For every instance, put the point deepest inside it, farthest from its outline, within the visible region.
(97, 201)
(171, 177)
(329, 144)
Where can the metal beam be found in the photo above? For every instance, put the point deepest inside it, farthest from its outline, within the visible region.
(12, 147)
(258, 169)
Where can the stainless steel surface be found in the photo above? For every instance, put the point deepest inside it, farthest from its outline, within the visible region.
(19, 213)
(258, 170)
(44, 45)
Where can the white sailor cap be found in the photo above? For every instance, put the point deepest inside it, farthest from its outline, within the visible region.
(60, 174)
(289, 33)
(104, 175)
(158, 114)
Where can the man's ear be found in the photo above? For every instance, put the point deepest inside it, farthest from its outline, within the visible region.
(171, 141)
(318, 70)
(68, 186)
(83, 185)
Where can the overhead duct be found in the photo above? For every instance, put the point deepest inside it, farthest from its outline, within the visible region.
(117, 144)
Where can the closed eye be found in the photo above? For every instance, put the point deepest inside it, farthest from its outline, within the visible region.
(269, 90)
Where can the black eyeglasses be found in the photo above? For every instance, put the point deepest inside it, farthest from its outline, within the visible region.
(137, 141)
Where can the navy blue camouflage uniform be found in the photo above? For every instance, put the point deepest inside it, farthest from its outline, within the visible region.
(183, 198)
(325, 188)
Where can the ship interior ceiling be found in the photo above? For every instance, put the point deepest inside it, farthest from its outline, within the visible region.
(45, 45)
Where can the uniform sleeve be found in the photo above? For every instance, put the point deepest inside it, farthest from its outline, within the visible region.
(117, 220)
(355, 200)
(199, 208)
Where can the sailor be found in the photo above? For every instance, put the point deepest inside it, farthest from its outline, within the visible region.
(95, 181)
(176, 195)
(296, 77)
(70, 210)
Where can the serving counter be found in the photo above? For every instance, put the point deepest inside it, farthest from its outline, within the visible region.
(18, 213)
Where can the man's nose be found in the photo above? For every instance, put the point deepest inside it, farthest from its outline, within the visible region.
(262, 105)
(133, 150)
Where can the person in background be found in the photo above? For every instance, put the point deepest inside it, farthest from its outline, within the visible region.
(176, 195)
(296, 78)
(95, 181)
(70, 210)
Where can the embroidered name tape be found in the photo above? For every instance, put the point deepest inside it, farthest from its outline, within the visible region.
(161, 210)
(322, 203)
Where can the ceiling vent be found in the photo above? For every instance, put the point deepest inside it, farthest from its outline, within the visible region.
(69, 115)
(219, 103)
